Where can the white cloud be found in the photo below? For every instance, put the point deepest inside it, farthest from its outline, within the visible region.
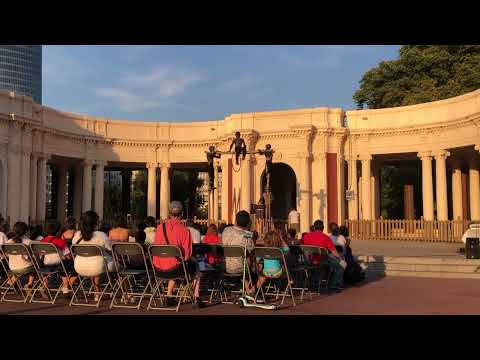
(241, 82)
(60, 67)
(152, 89)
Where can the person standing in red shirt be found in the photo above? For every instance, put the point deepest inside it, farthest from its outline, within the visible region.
(318, 238)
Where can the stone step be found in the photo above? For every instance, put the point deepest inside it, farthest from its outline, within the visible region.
(423, 267)
(428, 260)
(431, 274)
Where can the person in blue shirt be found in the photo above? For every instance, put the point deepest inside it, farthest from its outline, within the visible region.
(272, 268)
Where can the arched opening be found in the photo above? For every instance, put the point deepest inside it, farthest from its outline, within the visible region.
(283, 185)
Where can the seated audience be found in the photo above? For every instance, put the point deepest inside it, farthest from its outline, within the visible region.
(140, 235)
(20, 264)
(239, 235)
(92, 266)
(212, 238)
(4, 230)
(68, 232)
(54, 260)
(292, 237)
(179, 235)
(150, 230)
(272, 268)
(343, 230)
(194, 233)
(338, 240)
(318, 238)
(36, 233)
(104, 227)
(120, 230)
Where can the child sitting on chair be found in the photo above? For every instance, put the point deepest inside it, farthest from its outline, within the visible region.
(53, 260)
(272, 268)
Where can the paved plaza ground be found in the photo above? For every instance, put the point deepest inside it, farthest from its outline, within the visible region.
(384, 296)
(387, 296)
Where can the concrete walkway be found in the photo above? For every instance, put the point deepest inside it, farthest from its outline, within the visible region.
(405, 248)
(388, 296)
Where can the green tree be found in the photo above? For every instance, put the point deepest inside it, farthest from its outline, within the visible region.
(139, 196)
(422, 73)
(184, 185)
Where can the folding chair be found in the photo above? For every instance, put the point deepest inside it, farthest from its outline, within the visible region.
(228, 280)
(209, 273)
(47, 274)
(17, 287)
(299, 270)
(274, 254)
(184, 290)
(321, 267)
(90, 251)
(133, 280)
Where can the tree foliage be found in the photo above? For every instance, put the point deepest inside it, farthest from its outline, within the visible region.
(422, 73)
(184, 184)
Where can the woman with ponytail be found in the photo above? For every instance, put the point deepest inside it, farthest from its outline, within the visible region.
(20, 264)
(93, 266)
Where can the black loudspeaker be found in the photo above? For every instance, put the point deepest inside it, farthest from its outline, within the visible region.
(472, 248)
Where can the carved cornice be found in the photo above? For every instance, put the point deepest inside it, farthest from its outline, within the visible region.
(432, 128)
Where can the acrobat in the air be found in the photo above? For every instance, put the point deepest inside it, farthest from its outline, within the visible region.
(240, 147)
(268, 152)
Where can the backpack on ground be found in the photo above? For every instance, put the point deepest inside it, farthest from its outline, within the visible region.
(353, 274)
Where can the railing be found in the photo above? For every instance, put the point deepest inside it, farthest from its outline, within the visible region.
(415, 230)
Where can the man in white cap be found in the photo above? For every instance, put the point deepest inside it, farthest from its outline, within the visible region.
(177, 234)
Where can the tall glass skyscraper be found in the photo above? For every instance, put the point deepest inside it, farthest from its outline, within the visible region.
(21, 70)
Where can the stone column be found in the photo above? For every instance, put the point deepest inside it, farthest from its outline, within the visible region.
(164, 190)
(14, 162)
(33, 186)
(87, 185)
(373, 190)
(24, 183)
(427, 185)
(42, 187)
(366, 187)
(152, 189)
(305, 194)
(215, 194)
(246, 186)
(352, 184)
(61, 193)
(77, 191)
(99, 187)
(474, 191)
(224, 214)
(457, 203)
(441, 180)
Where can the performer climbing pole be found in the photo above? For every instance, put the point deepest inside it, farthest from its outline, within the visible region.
(267, 193)
(211, 155)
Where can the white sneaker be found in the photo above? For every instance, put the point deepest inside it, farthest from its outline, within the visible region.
(96, 297)
(65, 290)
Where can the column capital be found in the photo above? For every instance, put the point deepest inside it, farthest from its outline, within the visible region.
(365, 157)
(41, 155)
(425, 155)
(151, 165)
(165, 165)
(477, 147)
(354, 157)
(440, 154)
(101, 162)
(87, 162)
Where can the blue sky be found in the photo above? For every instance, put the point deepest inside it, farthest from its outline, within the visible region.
(185, 83)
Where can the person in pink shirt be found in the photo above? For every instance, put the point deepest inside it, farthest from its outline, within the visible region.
(177, 235)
